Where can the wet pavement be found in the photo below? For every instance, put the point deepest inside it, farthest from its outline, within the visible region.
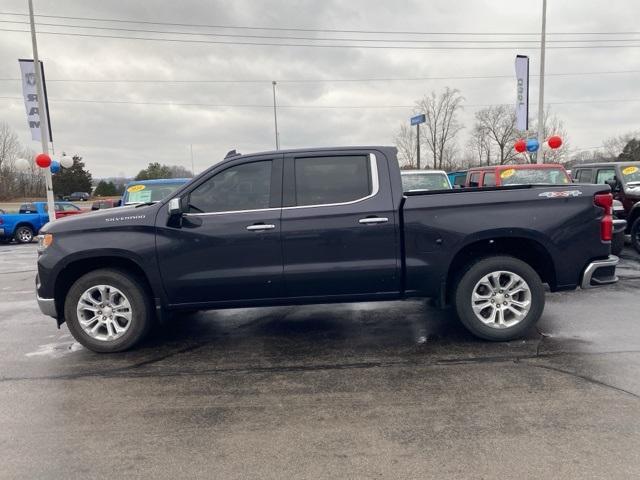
(378, 390)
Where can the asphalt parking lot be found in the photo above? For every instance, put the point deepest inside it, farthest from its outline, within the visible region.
(387, 390)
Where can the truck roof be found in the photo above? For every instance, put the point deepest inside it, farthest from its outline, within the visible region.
(605, 164)
(519, 166)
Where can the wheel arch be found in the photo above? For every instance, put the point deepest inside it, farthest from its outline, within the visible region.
(80, 266)
(529, 250)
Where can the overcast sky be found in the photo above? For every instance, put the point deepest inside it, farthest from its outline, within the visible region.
(119, 138)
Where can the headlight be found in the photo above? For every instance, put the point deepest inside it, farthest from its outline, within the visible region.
(44, 242)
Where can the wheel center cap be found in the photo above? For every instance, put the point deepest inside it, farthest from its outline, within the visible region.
(499, 297)
(107, 311)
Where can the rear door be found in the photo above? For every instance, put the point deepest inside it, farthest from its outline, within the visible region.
(339, 226)
(227, 247)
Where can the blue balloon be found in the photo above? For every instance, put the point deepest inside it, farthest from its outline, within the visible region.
(532, 145)
(55, 166)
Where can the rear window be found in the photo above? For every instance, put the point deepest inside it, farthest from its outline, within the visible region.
(326, 180)
(553, 176)
(425, 181)
(142, 193)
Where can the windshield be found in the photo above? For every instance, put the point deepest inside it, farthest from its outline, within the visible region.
(143, 193)
(529, 176)
(630, 174)
(425, 181)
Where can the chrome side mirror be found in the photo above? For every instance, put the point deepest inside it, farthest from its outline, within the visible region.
(175, 208)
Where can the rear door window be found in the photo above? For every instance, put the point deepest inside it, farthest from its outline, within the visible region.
(584, 175)
(604, 175)
(329, 180)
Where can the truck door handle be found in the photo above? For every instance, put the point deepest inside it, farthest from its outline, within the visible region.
(260, 226)
(373, 220)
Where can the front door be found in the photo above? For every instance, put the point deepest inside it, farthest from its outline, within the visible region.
(339, 225)
(227, 247)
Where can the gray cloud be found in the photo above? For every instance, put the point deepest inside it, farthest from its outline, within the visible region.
(123, 138)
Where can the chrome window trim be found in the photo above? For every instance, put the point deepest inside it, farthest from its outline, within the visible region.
(375, 183)
(206, 214)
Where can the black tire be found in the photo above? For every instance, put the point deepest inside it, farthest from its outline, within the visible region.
(635, 234)
(132, 287)
(617, 243)
(23, 234)
(474, 273)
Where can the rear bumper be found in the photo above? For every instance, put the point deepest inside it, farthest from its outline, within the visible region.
(600, 272)
(619, 226)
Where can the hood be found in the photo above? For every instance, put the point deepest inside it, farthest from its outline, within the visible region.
(109, 217)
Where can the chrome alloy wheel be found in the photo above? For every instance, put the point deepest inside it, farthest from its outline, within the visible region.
(25, 235)
(104, 312)
(501, 299)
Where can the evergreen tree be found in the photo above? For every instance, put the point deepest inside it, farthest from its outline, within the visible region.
(73, 179)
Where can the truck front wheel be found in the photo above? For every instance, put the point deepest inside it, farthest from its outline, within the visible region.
(499, 298)
(107, 310)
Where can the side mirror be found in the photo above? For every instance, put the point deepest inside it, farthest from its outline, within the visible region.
(175, 207)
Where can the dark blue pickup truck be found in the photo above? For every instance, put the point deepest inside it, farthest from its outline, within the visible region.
(321, 226)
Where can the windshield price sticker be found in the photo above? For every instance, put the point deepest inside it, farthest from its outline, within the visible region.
(508, 173)
(630, 170)
(135, 188)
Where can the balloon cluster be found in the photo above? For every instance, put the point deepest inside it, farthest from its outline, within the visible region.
(43, 160)
(532, 145)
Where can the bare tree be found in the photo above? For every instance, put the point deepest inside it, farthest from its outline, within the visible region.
(442, 123)
(552, 126)
(406, 144)
(498, 123)
(613, 146)
(480, 146)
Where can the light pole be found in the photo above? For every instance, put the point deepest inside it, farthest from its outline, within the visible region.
(275, 115)
(42, 114)
(539, 156)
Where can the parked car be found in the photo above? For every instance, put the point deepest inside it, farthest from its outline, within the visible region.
(31, 217)
(624, 180)
(457, 179)
(77, 197)
(145, 191)
(424, 180)
(322, 226)
(522, 174)
(106, 203)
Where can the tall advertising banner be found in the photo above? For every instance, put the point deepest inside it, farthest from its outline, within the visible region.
(522, 102)
(30, 93)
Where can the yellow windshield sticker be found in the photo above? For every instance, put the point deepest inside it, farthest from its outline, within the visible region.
(630, 170)
(507, 173)
(135, 188)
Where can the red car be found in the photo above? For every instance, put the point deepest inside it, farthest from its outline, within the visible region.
(64, 209)
(500, 175)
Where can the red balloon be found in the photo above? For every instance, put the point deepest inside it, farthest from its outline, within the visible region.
(43, 160)
(520, 146)
(554, 142)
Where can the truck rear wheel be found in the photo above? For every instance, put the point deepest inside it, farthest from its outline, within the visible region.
(107, 310)
(499, 298)
(24, 234)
